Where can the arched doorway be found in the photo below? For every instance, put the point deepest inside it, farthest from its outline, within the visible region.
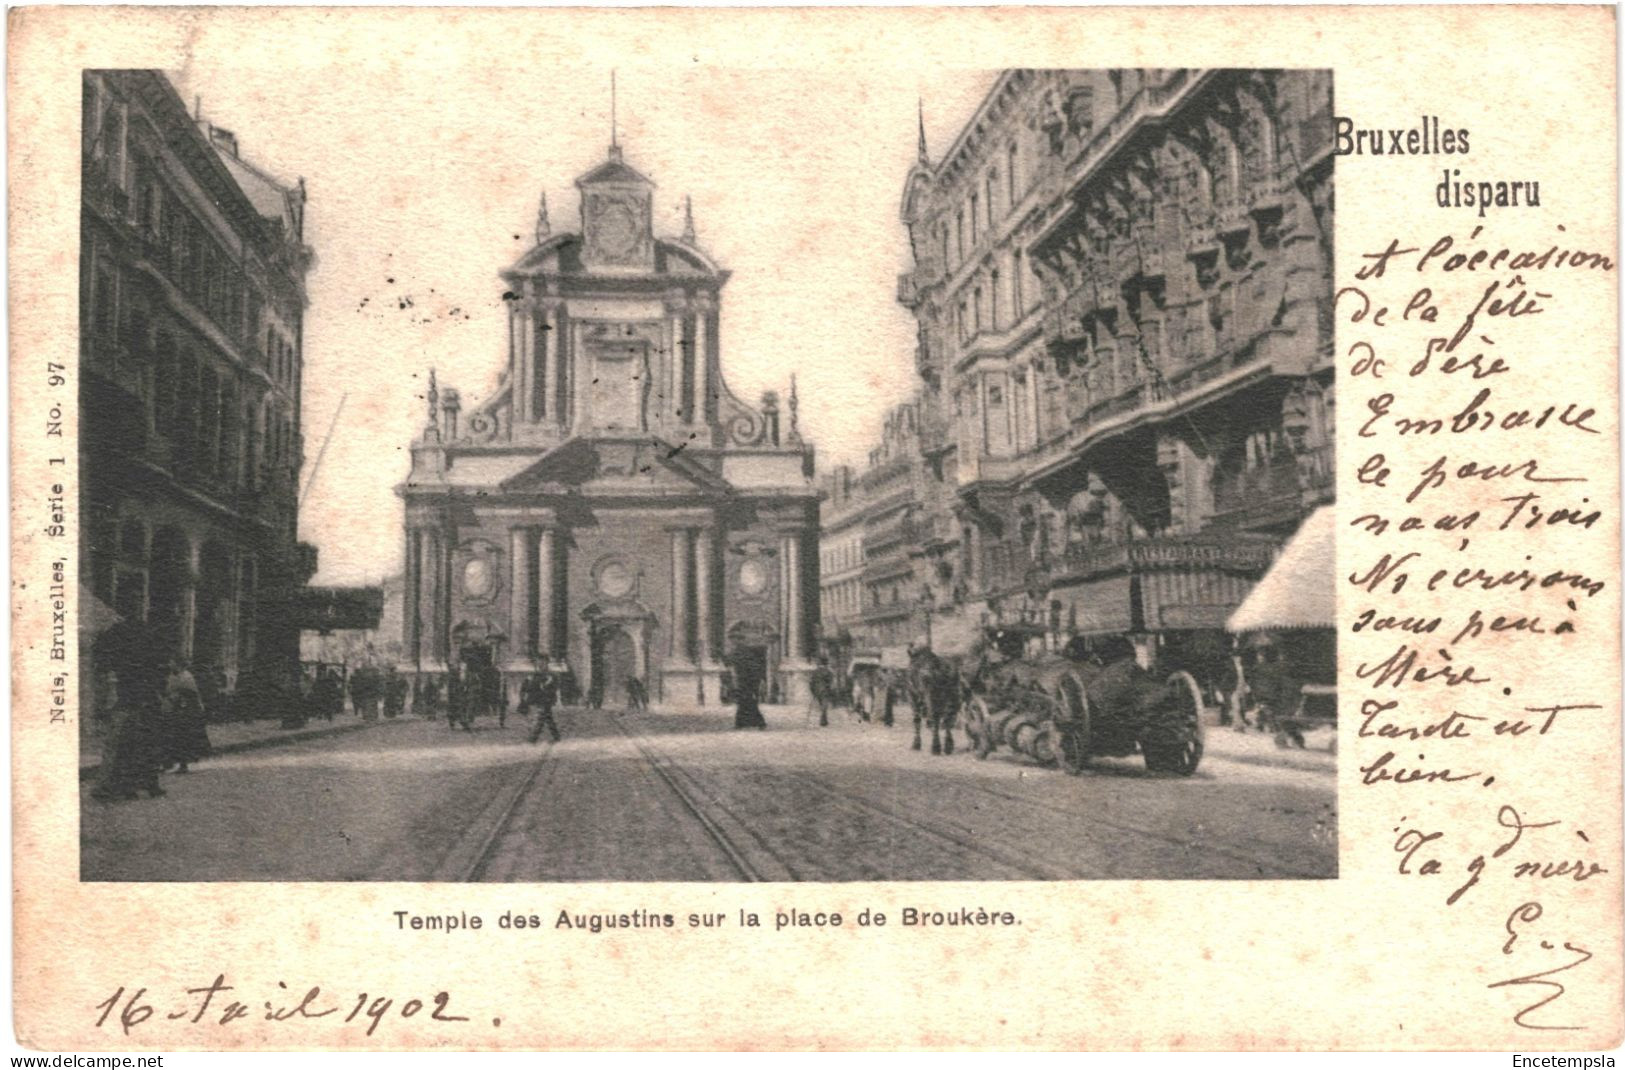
(166, 600)
(614, 661)
(753, 656)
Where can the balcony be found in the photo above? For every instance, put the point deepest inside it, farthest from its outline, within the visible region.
(1275, 493)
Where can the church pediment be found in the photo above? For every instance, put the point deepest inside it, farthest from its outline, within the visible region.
(619, 465)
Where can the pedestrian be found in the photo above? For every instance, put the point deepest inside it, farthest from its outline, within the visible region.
(365, 691)
(184, 737)
(823, 691)
(458, 700)
(428, 700)
(637, 698)
(539, 692)
(132, 759)
(326, 694)
(496, 695)
(748, 682)
(595, 692)
(889, 698)
(395, 688)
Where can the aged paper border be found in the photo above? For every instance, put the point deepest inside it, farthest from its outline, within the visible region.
(1361, 962)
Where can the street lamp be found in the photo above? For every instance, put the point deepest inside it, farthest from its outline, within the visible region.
(927, 601)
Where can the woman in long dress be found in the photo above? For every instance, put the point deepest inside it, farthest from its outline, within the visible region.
(186, 733)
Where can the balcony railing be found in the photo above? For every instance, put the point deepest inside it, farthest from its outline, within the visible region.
(1082, 561)
(1256, 493)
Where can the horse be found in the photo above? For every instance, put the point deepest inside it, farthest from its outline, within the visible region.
(934, 692)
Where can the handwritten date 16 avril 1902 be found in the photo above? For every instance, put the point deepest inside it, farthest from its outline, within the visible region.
(220, 1004)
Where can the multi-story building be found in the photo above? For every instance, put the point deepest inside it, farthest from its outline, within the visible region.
(192, 303)
(871, 586)
(1122, 282)
(613, 506)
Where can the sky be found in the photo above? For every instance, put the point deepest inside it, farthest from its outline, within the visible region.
(419, 196)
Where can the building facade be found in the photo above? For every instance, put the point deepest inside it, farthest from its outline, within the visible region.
(613, 507)
(872, 590)
(1123, 286)
(192, 303)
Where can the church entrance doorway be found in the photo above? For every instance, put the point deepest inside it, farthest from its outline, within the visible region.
(482, 684)
(614, 662)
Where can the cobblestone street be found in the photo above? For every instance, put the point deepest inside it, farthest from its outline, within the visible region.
(683, 797)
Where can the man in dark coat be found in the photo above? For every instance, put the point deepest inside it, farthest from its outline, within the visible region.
(459, 703)
(394, 693)
(133, 760)
(326, 694)
(749, 678)
(365, 690)
(538, 693)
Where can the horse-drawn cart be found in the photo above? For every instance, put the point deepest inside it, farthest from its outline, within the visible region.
(1067, 710)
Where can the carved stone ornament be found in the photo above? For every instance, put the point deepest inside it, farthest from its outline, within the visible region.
(481, 572)
(753, 576)
(614, 578)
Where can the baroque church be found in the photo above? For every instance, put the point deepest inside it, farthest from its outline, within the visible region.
(613, 508)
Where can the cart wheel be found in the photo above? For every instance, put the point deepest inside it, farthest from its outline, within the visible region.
(1175, 745)
(1048, 745)
(1072, 750)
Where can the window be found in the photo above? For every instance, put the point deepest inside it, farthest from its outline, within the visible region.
(942, 232)
(991, 175)
(974, 217)
(993, 293)
(104, 301)
(1010, 175)
(959, 232)
(976, 305)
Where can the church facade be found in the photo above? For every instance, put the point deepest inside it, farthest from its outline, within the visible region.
(613, 508)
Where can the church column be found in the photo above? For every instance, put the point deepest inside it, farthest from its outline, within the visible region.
(682, 553)
(674, 359)
(519, 594)
(704, 551)
(702, 375)
(409, 595)
(547, 358)
(440, 633)
(790, 594)
(524, 343)
(544, 594)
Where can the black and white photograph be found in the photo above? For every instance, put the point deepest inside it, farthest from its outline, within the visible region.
(597, 480)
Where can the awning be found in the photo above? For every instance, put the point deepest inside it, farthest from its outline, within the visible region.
(1300, 589)
(1192, 597)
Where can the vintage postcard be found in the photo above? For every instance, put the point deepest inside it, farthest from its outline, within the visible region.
(849, 508)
